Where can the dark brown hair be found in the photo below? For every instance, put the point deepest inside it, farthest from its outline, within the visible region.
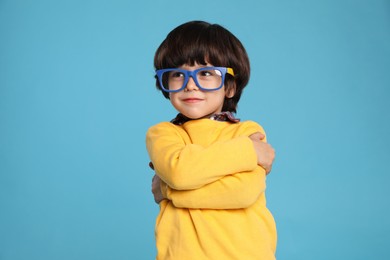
(201, 42)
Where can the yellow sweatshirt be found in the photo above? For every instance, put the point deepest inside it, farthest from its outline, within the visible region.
(215, 205)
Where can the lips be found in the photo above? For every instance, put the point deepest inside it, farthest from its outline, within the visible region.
(192, 100)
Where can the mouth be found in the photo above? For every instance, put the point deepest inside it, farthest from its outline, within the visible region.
(192, 100)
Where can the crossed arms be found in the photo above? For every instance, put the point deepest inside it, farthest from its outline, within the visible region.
(224, 175)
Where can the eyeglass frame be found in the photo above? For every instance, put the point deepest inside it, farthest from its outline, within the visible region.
(192, 74)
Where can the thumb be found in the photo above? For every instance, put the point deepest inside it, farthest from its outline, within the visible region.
(258, 136)
(261, 136)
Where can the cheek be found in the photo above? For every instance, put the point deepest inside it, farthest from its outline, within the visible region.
(219, 99)
(174, 99)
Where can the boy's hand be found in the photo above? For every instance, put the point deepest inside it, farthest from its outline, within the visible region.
(265, 152)
(156, 189)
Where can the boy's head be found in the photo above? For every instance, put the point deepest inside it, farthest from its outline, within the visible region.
(200, 42)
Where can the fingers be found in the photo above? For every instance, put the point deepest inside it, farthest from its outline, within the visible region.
(271, 159)
(265, 154)
(268, 170)
(151, 165)
(257, 136)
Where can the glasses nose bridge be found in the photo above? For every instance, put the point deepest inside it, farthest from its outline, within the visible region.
(191, 74)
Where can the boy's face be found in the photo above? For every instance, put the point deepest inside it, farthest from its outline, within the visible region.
(195, 103)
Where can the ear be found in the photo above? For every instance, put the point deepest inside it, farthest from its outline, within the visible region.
(230, 93)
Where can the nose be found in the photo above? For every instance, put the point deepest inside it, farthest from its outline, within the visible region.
(191, 85)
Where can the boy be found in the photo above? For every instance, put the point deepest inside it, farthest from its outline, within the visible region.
(210, 167)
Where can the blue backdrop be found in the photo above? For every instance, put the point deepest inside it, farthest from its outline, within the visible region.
(77, 96)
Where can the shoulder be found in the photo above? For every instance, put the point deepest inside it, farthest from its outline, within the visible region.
(251, 127)
(164, 128)
(162, 125)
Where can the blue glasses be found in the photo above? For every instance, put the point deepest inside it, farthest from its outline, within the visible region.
(207, 78)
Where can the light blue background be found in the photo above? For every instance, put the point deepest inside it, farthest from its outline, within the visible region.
(77, 96)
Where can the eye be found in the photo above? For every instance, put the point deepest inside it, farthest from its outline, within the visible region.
(206, 73)
(176, 74)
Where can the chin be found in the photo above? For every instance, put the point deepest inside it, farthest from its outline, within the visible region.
(193, 116)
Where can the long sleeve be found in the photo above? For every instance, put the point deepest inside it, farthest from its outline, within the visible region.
(185, 166)
(235, 191)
